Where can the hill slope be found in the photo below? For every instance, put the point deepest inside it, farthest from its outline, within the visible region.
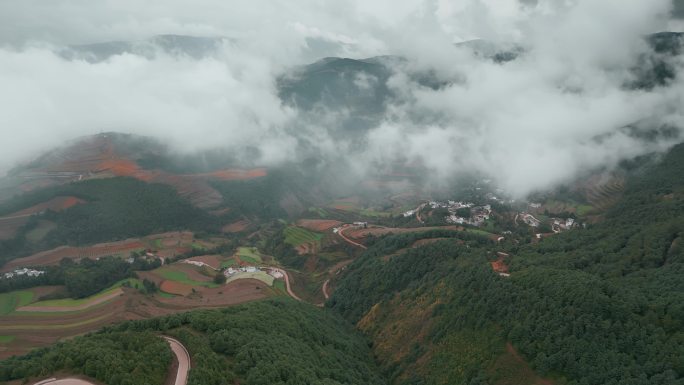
(602, 305)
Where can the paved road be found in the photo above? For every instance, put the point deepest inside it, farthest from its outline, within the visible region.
(183, 361)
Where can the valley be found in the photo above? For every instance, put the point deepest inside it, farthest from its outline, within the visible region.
(487, 213)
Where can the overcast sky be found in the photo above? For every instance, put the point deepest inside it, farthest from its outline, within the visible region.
(529, 124)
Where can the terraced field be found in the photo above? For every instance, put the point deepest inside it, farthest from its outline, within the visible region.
(249, 255)
(304, 241)
(259, 275)
(296, 236)
(69, 304)
(14, 299)
(605, 192)
(182, 277)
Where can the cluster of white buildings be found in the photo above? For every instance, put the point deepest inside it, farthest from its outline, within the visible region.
(530, 220)
(409, 213)
(23, 272)
(478, 214)
(560, 224)
(229, 272)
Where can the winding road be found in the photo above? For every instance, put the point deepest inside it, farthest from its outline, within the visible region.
(177, 348)
(341, 233)
(287, 283)
(64, 381)
(325, 289)
(183, 358)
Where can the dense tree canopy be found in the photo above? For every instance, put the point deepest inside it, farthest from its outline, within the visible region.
(602, 305)
(115, 209)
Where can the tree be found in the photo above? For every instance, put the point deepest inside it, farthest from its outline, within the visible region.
(219, 279)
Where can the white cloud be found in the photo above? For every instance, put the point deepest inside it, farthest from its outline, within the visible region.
(529, 123)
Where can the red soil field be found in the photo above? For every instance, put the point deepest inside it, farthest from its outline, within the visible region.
(236, 227)
(193, 272)
(10, 226)
(238, 291)
(11, 223)
(173, 287)
(318, 224)
(130, 306)
(29, 333)
(499, 266)
(52, 257)
(306, 248)
(54, 204)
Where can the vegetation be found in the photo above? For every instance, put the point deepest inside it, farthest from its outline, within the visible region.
(12, 300)
(115, 358)
(116, 209)
(295, 236)
(249, 254)
(278, 341)
(602, 305)
(182, 277)
(258, 197)
(83, 278)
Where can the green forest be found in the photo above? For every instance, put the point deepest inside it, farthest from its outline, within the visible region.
(270, 342)
(83, 278)
(116, 209)
(115, 358)
(601, 305)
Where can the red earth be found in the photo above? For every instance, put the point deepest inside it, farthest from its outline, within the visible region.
(319, 225)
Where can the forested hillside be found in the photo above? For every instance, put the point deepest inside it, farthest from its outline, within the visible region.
(601, 305)
(115, 358)
(113, 209)
(278, 341)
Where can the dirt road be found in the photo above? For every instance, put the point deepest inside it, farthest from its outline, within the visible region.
(341, 233)
(287, 283)
(325, 289)
(183, 358)
(64, 381)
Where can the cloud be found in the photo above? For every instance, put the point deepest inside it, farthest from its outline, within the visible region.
(529, 123)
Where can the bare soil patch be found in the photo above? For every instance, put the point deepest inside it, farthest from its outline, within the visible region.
(174, 287)
(237, 174)
(360, 233)
(236, 227)
(238, 291)
(52, 257)
(319, 225)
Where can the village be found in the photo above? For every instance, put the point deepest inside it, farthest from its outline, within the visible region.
(23, 272)
(462, 213)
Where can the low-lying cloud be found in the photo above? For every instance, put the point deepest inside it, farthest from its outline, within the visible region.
(559, 109)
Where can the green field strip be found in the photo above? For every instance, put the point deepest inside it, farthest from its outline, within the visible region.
(14, 299)
(295, 236)
(6, 339)
(249, 252)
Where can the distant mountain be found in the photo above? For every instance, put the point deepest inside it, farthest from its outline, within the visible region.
(657, 69)
(192, 46)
